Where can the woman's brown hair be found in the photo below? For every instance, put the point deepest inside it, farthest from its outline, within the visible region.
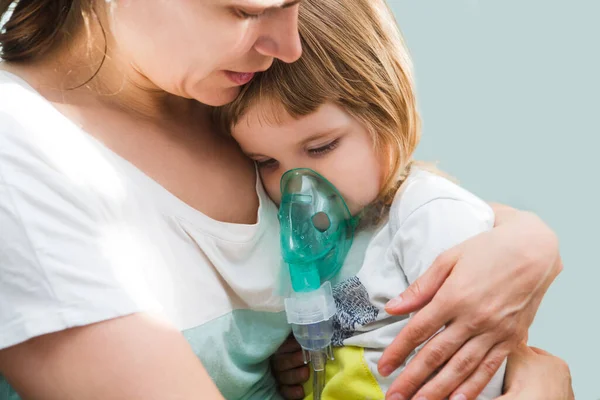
(34, 27)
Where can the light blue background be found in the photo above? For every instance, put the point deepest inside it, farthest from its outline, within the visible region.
(509, 95)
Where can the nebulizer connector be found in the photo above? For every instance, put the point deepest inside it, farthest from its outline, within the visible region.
(317, 230)
(310, 314)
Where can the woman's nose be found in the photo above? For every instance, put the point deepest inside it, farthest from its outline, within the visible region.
(280, 38)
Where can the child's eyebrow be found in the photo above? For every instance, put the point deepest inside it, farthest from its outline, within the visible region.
(322, 134)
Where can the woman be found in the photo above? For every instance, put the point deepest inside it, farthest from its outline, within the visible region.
(121, 224)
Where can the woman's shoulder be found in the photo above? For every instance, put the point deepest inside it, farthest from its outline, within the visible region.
(64, 223)
(16, 95)
(27, 119)
(39, 146)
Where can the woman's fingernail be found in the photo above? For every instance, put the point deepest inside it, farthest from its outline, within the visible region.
(396, 396)
(459, 397)
(393, 303)
(385, 371)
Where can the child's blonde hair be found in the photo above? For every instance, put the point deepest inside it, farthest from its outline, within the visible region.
(354, 57)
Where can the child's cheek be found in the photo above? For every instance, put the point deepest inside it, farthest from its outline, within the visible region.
(271, 185)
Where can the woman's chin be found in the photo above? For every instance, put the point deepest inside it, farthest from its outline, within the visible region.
(218, 97)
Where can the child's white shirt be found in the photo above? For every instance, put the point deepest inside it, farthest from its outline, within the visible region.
(429, 215)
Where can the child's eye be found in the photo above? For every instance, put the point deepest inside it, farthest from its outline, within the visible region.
(270, 163)
(319, 151)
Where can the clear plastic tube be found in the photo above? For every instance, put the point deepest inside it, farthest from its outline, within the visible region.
(311, 317)
(318, 361)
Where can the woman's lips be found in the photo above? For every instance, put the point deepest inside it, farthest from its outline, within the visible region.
(240, 78)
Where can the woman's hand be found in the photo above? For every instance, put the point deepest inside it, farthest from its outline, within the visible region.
(486, 292)
(533, 373)
(289, 369)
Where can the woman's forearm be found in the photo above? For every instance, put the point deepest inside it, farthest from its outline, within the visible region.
(503, 213)
(538, 242)
(133, 357)
(533, 373)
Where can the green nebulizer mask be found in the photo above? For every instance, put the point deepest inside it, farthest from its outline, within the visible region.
(317, 230)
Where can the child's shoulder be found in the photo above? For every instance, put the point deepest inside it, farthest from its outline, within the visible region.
(423, 188)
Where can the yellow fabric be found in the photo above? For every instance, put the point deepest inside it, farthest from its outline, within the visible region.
(347, 377)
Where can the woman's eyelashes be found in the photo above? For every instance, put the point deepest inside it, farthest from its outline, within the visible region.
(249, 15)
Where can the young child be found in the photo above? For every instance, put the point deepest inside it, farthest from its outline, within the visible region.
(347, 110)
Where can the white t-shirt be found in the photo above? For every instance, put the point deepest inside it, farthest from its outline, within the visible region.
(429, 215)
(85, 237)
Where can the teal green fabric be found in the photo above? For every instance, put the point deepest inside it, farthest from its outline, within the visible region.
(235, 349)
(7, 392)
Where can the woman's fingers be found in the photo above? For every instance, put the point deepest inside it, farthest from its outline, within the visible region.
(422, 291)
(484, 373)
(417, 331)
(287, 361)
(435, 353)
(459, 369)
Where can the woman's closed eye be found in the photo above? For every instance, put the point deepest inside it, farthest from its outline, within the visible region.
(249, 14)
(322, 150)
